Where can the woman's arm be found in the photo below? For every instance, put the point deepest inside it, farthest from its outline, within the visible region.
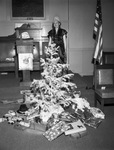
(49, 41)
(65, 47)
(65, 43)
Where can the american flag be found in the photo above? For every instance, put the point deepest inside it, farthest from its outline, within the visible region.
(98, 35)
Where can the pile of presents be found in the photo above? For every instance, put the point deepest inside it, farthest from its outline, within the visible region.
(52, 106)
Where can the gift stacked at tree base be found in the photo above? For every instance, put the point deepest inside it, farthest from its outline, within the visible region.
(43, 108)
(76, 128)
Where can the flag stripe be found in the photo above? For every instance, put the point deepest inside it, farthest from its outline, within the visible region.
(98, 35)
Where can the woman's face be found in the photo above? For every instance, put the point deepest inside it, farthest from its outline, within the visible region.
(56, 24)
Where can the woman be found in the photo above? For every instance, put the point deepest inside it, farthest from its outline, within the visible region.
(58, 37)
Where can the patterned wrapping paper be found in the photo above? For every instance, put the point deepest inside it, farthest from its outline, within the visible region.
(93, 122)
(56, 130)
(97, 113)
(92, 117)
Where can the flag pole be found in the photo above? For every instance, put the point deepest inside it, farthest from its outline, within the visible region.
(98, 37)
(68, 36)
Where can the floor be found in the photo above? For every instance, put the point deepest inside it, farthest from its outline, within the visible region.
(13, 139)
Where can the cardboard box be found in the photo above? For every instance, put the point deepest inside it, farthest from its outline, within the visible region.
(79, 134)
(75, 127)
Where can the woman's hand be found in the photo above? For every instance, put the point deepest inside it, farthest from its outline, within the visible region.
(53, 45)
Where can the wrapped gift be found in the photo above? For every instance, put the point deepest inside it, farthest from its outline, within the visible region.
(67, 117)
(52, 121)
(37, 126)
(56, 130)
(97, 113)
(19, 127)
(75, 127)
(79, 134)
(93, 122)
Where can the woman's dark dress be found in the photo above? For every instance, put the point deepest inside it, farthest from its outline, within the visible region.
(57, 38)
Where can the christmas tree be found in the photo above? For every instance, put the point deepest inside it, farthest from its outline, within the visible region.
(49, 98)
(55, 89)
